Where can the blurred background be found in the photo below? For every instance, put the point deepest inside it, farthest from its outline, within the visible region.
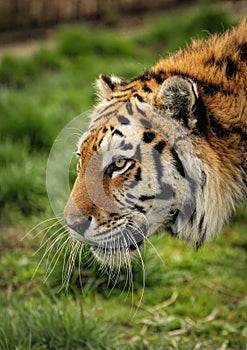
(51, 52)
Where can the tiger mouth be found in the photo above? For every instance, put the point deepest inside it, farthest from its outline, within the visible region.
(107, 249)
(129, 241)
(117, 250)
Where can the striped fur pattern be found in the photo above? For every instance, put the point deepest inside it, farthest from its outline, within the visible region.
(166, 150)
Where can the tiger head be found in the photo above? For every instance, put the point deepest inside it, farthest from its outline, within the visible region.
(138, 171)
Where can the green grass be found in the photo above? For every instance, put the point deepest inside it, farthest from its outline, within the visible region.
(192, 299)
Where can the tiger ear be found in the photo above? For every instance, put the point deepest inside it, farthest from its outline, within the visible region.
(107, 85)
(178, 96)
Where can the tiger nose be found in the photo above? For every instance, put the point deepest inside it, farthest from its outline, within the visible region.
(74, 219)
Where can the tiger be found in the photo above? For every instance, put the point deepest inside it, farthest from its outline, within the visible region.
(166, 151)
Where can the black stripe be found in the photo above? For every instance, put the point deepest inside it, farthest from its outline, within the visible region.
(144, 197)
(231, 68)
(202, 239)
(237, 130)
(158, 165)
(218, 129)
(201, 222)
(144, 77)
(114, 196)
(99, 143)
(146, 123)
(193, 217)
(160, 146)
(109, 114)
(200, 114)
(202, 233)
(137, 154)
(127, 146)
(222, 132)
(123, 120)
(108, 81)
(166, 192)
(138, 174)
(148, 136)
(137, 178)
(130, 202)
(188, 209)
(212, 89)
(146, 88)
(140, 209)
(148, 75)
(117, 132)
(131, 166)
(139, 98)
(128, 88)
(129, 108)
(139, 110)
(159, 77)
(177, 162)
(243, 51)
(210, 61)
(104, 109)
(166, 189)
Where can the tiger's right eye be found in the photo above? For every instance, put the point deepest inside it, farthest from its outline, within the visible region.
(120, 163)
(119, 166)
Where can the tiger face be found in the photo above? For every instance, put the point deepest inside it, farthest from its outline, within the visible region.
(131, 179)
(166, 150)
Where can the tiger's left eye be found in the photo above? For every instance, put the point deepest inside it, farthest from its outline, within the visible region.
(120, 163)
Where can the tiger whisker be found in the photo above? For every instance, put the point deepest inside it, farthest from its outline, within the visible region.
(79, 265)
(115, 272)
(48, 239)
(47, 229)
(38, 225)
(49, 249)
(69, 248)
(55, 258)
(129, 274)
(143, 273)
(75, 246)
(41, 260)
(59, 234)
(146, 239)
(73, 256)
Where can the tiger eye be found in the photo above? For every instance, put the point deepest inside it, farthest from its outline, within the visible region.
(120, 163)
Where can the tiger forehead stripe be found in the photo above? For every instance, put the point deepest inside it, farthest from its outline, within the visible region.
(123, 120)
(148, 136)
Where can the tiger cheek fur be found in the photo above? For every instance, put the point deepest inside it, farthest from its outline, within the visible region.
(167, 149)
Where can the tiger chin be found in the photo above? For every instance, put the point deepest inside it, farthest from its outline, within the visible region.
(165, 150)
